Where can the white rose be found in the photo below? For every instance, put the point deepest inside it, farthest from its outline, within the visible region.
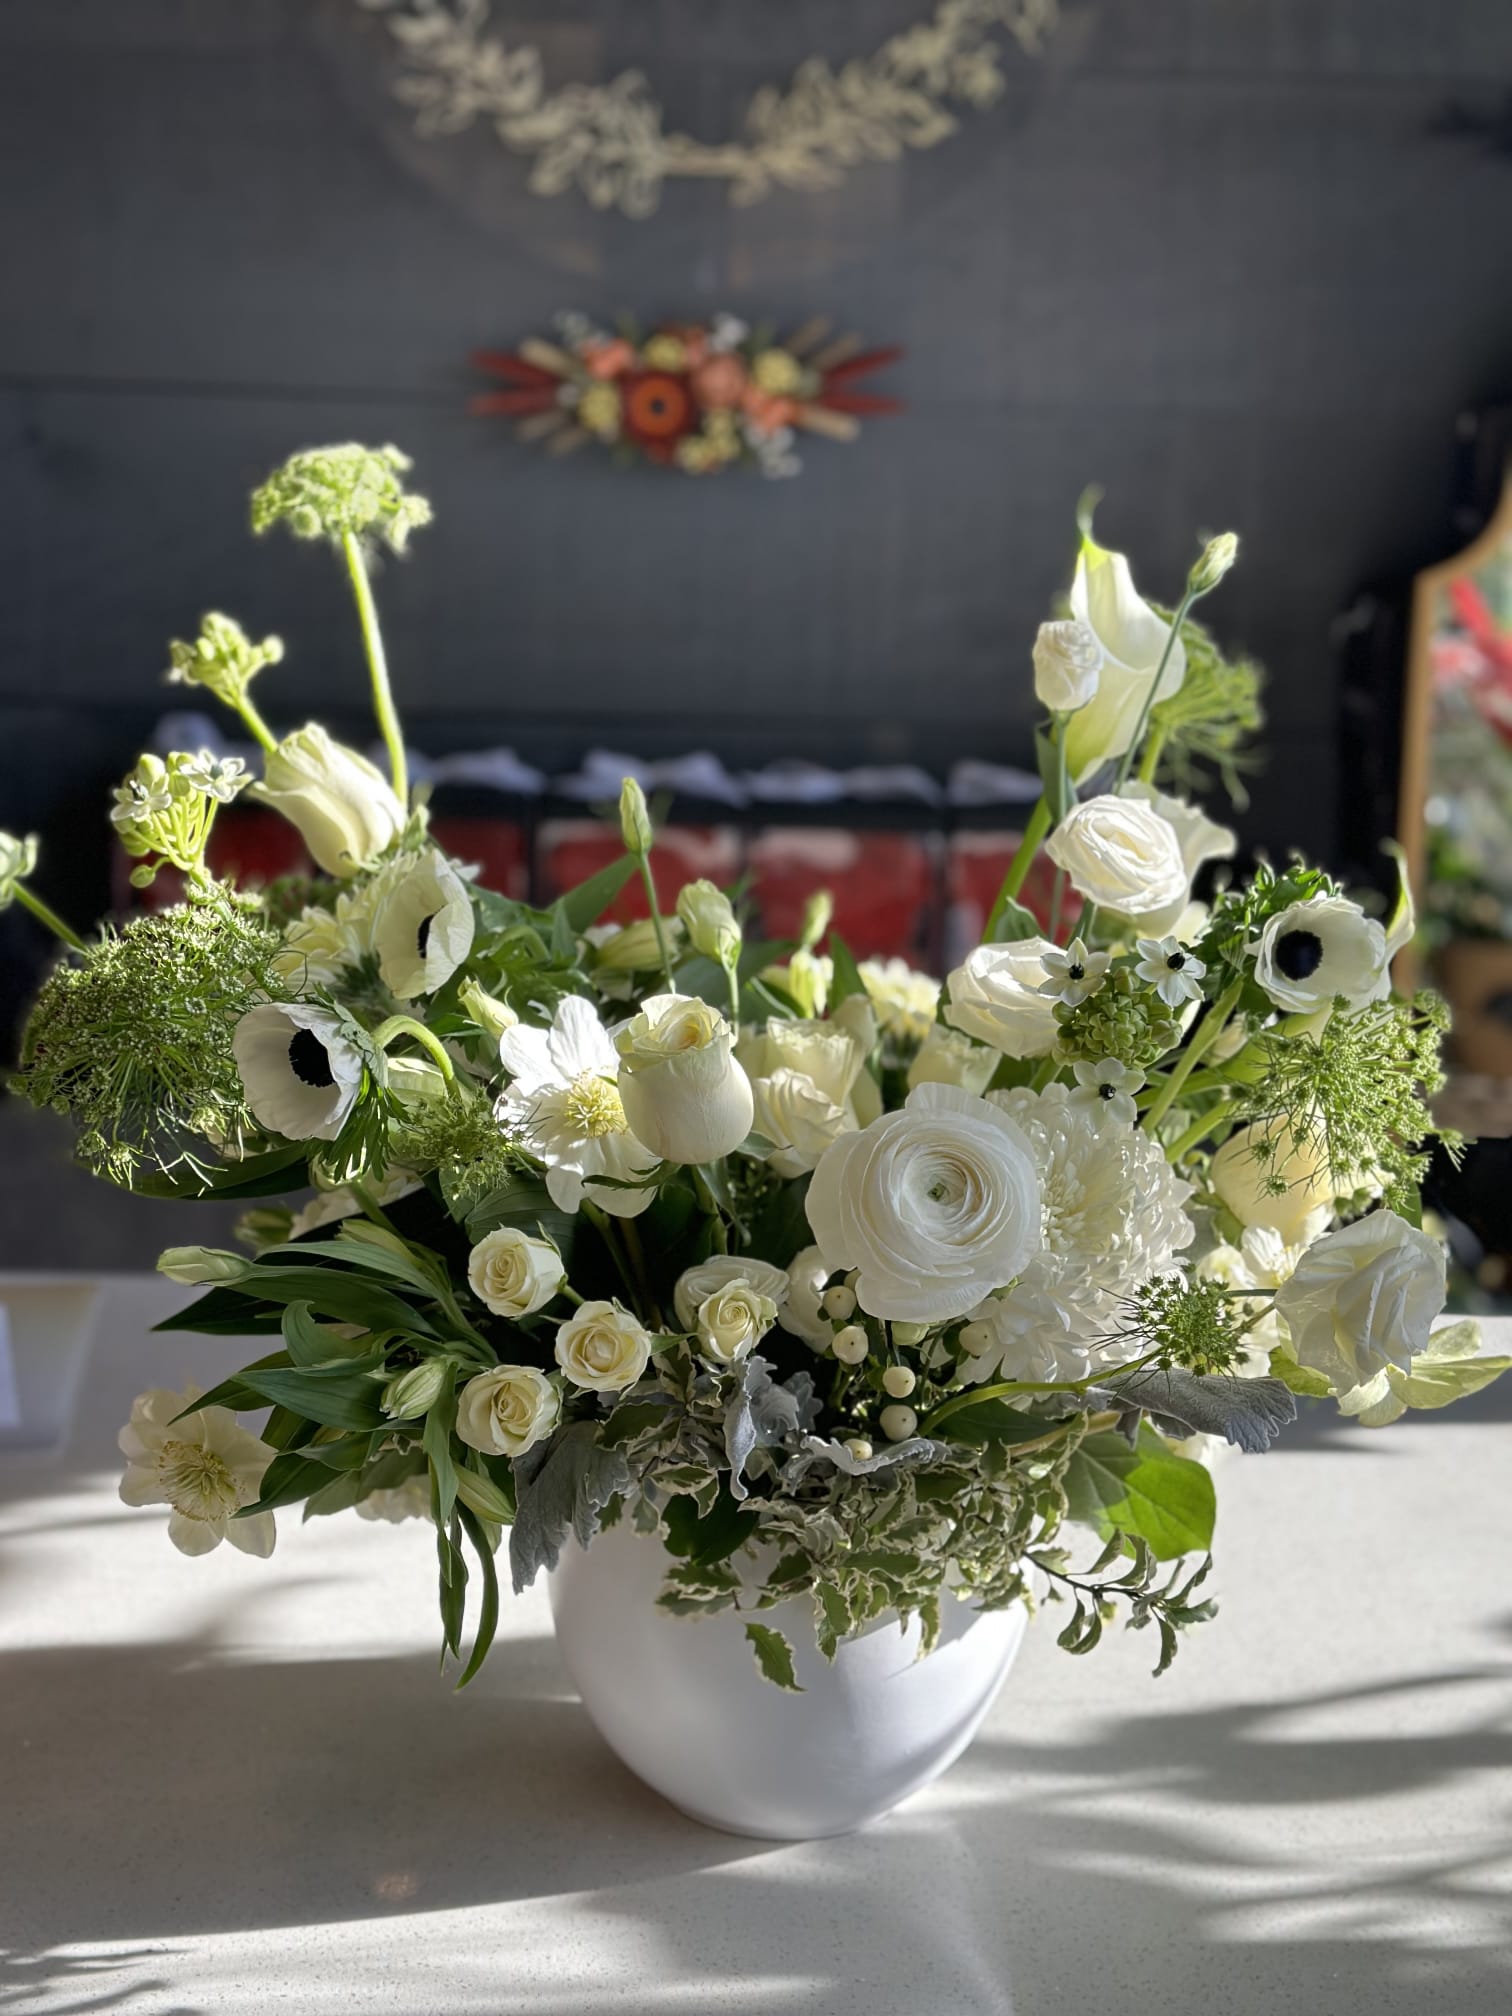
(1133, 639)
(1239, 1178)
(709, 920)
(513, 1274)
(801, 1314)
(683, 1092)
(1121, 855)
(343, 807)
(1067, 664)
(829, 1054)
(696, 1284)
(1200, 840)
(947, 1057)
(997, 997)
(603, 1347)
(1364, 1298)
(1310, 952)
(508, 1410)
(798, 1119)
(732, 1321)
(935, 1206)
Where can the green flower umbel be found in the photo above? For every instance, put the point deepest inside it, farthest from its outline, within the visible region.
(335, 492)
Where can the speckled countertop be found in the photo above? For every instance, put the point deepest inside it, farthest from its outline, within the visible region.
(232, 1786)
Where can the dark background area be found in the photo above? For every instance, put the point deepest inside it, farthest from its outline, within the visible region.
(1240, 261)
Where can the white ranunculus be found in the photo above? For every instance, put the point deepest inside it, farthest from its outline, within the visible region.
(935, 1206)
(1364, 1298)
(343, 807)
(950, 1057)
(512, 1273)
(1067, 664)
(1133, 639)
(1121, 855)
(1312, 951)
(732, 1321)
(206, 1467)
(999, 997)
(422, 924)
(798, 1119)
(801, 1314)
(603, 1347)
(706, 914)
(1239, 1177)
(300, 1072)
(684, 1093)
(508, 1410)
(696, 1284)
(1199, 839)
(563, 1105)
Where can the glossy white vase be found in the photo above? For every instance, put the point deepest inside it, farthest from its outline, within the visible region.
(680, 1699)
(46, 1328)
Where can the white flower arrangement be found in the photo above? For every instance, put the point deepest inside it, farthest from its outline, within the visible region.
(853, 1285)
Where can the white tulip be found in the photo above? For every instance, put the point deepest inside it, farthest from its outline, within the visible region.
(798, 1119)
(205, 1466)
(732, 1321)
(1067, 665)
(1364, 1298)
(1311, 952)
(999, 997)
(684, 1093)
(1199, 840)
(343, 807)
(512, 1273)
(422, 924)
(696, 1284)
(1133, 639)
(603, 1347)
(948, 1057)
(1239, 1178)
(300, 1072)
(508, 1410)
(935, 1206)
(1121, 855)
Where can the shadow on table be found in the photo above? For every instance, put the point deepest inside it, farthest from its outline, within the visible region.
(240, 1796)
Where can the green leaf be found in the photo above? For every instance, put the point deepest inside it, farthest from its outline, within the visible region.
(1167, 1501)
(258, 1176)
(330, 1291)
(235, 1393)
(705, 1541)
(311, 1345)
(1014, 923)
(1299, 1378)
(336, 1398)
(436, 1442)
(996, 1421)
(488, 1609)
(349, 1250)
(774, 1655)
(846, 979)
(585, 904)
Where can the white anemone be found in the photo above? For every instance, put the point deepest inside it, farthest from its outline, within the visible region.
(300, 1072)
(1311, 952)
(422, 924)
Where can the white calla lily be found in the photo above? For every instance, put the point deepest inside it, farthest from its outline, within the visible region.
(1133, 639)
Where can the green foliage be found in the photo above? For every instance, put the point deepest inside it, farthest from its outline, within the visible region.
(341, 491)
(774, 1655)
(1124, 1019)
(1208, 722)
(1143, 1491)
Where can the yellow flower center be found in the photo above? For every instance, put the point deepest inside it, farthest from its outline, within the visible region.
(197, 1481)
(593, 1106)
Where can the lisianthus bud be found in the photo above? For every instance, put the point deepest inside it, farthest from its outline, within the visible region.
(709, 922)
(684, 1094)
(817, 912)
(634, 948)
(635, 820)
(1213, 562)
(1067, 665)
(415, 1392)
(492, 1015)
(18, 857)
(342, 806)
(201, 1266)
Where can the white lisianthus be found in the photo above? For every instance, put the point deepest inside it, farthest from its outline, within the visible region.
(422, 924)
(999, 996)
(1121, 855)
(905, 1000)
(564, 1107)
(802, 1313)
(706, 914)
(1245, 1181)
(684, 1093)
(1067, 665)
(1199, 839)
(492, 1015)
(300, 1071)
(508, 1410)
(1362, 1299)
(512, 1273)
(799, 1119)
(935, 1205)
(205, 1466)
(732, 1321)
(1311, 952)
(1132, 639)
(603, 1347)
(696, 1284)
(830, 1054)
(950, 1057)
(345, 810)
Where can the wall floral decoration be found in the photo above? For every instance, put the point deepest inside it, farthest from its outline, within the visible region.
(694, 396)
(609, 140)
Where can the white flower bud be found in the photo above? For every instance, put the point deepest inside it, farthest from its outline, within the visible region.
(1213, 563)
(343, 807)
(412, 1393)
(635, 821)
(706, 915)
(1067, 665)
(860, 1448)
(492, 1015)
(200, 1266)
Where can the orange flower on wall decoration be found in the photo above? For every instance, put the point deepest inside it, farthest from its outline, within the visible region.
(697, 397)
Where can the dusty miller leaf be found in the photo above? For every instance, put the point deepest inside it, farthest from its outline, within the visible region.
(561, 1486)
(1247, 1412)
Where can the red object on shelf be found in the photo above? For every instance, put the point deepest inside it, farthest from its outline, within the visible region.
(570, 850)
(498, 847)
(975, 868)
(883, 884)
(249, 845)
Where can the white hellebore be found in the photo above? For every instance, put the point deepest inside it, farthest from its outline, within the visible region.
(301, 1073)
(508, 1410)
(564, 1106)
(685, 1094)
(1133, 640)
(1199, 839)
(422, 924)
(696, 1284)
(1310, 952)
(999, 996)
(1067, 665)
(344, 808)
(935, 1206)
(512, 1273)
(1121, 855)
(1363, 1299)
(206, 1467)
(603, 1347)
(732, 1321)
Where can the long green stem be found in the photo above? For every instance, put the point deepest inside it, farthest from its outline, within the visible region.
(1019, 866)
(1202, 1126)
(44, 914)
(406, 1025)
(255, 722)
(1150, 761)
(663, 953)
(372, 638)
(1188, 598)
(1203, 1041)
(1007, 1389)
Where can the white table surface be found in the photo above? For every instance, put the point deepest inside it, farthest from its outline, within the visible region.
(238, 1786)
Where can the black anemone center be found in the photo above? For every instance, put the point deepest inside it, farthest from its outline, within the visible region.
(422, 935)
(309, 1061)
(1299, 954)
(1176, 960)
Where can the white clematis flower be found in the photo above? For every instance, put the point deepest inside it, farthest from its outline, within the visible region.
(1132, 639)
(564, 1107)
(1173, 971)
(685, 1093)
(206, 1467)
(422, 924)
(1311, 952)
(1363, 1299)
(999, 997)
(300, 1071)
(345, 809)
